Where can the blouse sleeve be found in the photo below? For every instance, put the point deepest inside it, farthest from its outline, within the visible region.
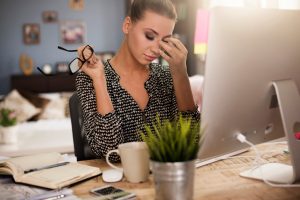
(103, 133)
(195, 115)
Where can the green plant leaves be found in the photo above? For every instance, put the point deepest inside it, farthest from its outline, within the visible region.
(172, 141)
(7, 117)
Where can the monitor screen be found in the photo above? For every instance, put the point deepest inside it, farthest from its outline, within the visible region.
(248, 49)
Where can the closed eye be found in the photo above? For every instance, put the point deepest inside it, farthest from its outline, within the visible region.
(149, 36)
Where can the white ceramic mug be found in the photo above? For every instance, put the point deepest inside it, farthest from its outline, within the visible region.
(134, 159)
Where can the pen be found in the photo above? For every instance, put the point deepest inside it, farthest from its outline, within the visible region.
(55, 197)
(46, 167)
(54, 194)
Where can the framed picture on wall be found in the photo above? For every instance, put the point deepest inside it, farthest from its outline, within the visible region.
(62, 67)
(31, 33)
(50, 16)
(73, 32)
(76, 4)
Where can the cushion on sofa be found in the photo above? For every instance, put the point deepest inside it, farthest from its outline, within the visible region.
(36, 100)
(24, 109)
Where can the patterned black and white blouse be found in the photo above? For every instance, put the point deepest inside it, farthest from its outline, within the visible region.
(105, 133)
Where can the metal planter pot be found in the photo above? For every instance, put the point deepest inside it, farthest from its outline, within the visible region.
(174, 180)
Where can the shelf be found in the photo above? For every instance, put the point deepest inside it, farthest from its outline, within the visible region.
(42, 84)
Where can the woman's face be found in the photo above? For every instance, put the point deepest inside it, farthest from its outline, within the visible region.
(143, 36)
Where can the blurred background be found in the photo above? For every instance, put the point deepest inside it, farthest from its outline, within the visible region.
(31, 30)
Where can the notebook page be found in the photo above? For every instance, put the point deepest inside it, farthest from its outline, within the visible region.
(61, 174)
(36, 161)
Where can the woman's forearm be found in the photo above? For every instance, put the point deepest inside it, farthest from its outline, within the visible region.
(183, 92)
(104, 104)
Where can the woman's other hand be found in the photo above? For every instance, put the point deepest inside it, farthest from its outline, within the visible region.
(175, 53)
(93, 67)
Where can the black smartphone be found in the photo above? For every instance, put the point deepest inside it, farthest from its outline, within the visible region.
(109, 192)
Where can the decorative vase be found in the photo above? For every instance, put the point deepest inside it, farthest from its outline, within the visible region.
(26, 64)
(174, 180)
(9, 134)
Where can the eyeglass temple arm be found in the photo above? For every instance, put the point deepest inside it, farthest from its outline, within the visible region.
(44, 72)
(59, 47)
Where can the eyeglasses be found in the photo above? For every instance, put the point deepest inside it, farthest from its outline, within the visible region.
(76, 64)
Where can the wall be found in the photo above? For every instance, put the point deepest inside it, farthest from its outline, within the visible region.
(103, 19)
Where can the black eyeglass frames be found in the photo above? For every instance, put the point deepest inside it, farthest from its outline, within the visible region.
(76, 64)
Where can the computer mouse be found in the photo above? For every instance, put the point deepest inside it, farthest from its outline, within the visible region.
(112, 175)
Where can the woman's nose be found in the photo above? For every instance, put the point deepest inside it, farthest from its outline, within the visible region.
(155, 48)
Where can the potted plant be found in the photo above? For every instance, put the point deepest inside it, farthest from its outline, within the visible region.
(8, 126)
(173, 147)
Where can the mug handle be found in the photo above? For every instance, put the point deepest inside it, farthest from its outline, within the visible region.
(109, 163)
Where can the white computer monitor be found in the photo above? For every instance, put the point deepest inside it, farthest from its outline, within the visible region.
(248, 50)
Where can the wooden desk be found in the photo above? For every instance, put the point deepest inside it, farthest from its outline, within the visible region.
(217, 181)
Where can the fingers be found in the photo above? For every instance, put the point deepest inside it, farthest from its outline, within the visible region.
(166, 49)
(93, 60)
(79, 51)
(86, 54)
(172, 48)
(176, 43)
(164, 55)
(92, 65)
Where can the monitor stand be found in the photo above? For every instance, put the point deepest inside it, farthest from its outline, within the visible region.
(289, 104)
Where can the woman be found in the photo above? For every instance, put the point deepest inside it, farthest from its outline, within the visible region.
(128, 91)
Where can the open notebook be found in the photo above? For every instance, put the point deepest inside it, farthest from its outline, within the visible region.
(53, 177)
